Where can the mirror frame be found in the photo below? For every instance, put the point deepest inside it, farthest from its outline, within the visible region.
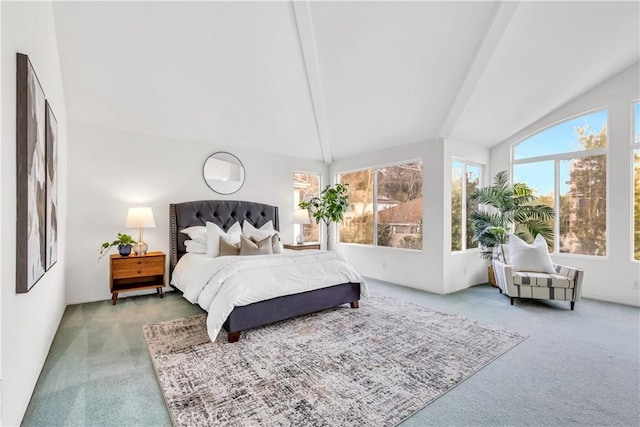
(219, 191)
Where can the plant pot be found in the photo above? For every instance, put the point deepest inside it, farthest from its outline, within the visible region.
(492, 277)
(125, 250)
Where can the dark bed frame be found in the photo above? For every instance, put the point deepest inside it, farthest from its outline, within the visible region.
(225, 213)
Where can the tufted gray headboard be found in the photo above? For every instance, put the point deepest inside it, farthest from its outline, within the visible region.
(223, 213)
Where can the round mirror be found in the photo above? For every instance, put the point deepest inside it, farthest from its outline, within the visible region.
(223, 172)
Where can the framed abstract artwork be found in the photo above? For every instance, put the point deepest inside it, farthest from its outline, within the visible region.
(51, 154)
(31, 177)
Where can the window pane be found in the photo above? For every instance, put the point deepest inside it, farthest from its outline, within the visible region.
(636, 203)
(357, 226)
(539, 176)
(456, 206)
(399, 206)
(473, 182)
(583, 205)
(305, 186)
(566, 137)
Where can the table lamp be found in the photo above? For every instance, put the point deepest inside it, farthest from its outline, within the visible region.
(301, 216)
(140, 217)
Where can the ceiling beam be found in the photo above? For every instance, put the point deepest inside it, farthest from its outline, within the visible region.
(307, 38)
(499, 24)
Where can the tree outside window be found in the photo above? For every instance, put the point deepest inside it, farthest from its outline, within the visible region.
(636, 181)
(305, 186)
(385, 206)
(465, 179)
(566, 165)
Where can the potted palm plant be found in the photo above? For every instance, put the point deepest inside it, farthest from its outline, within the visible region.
(503, 207)
(329, 207)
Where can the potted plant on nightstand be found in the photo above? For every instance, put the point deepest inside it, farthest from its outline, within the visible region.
(329, 207)
(502, 207)
(124, 242)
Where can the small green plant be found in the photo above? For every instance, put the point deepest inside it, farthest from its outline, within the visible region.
(122, 240)
(330, 206)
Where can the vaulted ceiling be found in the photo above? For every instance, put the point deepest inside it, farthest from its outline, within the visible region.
(327, 80)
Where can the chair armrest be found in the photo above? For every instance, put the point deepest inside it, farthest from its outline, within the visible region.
(575, 274)
(504, 275)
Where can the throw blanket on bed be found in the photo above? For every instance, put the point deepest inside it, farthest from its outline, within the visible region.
(219, 284)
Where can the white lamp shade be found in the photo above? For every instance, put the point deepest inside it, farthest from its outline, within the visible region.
(140, 217)
(301, 216)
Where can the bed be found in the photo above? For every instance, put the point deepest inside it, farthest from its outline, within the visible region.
(224, 213)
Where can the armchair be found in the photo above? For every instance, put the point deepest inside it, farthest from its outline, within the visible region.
(564, 285)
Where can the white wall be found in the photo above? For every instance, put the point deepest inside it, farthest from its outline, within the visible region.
(29, 321)
(113, 170)
(416, 269)
(461, 269)
(608, 278)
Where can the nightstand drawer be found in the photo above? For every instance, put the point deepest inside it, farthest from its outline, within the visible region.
(138, 267)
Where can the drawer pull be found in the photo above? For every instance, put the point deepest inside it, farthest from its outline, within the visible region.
(139, 271)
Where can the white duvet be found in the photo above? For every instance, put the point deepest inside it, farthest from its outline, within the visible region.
(219, 284)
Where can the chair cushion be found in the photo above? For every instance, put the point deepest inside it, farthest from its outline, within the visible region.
(548, 280)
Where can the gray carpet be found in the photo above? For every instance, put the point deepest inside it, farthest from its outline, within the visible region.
(576, 368)
(372, 366)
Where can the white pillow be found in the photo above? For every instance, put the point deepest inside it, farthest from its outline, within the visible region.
(195, 247)
(258, 234)
(529, 257)
(213, 237)
(196, 233)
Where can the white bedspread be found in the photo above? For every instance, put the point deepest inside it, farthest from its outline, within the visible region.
(219, 284)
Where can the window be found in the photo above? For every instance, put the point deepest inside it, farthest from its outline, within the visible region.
(465, 179)
(636, 181)
(566, 166)
(305, 186)
(385, 206)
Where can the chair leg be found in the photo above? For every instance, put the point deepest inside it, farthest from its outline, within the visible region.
(573, 304)
(512, 298)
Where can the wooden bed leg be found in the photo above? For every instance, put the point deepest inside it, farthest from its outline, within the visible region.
(355, 304)
(233, 336)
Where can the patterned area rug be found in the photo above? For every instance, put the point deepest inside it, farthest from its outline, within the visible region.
(372, 366)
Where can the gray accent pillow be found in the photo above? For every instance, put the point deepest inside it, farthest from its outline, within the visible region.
(248, 247)
(227, 248)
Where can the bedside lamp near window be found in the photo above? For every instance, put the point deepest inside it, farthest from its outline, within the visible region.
(301, 216)
(140, 217)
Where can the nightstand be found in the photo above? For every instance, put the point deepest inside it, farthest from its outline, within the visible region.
(136, 272)
(301, 247)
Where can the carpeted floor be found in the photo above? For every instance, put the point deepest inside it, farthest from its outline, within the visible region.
(577, 367)
(373, 366)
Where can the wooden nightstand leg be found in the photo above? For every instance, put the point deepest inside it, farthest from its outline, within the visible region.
(114, 298)
(159, 290)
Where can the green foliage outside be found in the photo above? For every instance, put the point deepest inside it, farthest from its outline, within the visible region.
(384, 234)
(636, 205)
(456, 211)
(583, 210)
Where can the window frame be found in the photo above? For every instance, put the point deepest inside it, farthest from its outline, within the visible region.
(567, 156)
(465, 216)
(375, 168)
(320, 188)
(634, 146)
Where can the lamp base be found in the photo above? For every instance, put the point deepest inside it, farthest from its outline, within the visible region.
(300, 239)
(140, 248)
